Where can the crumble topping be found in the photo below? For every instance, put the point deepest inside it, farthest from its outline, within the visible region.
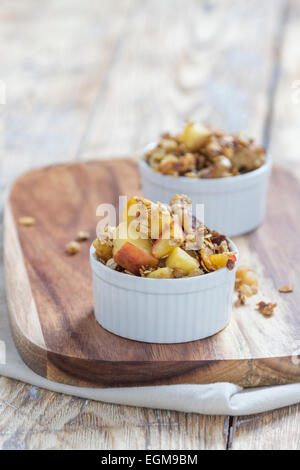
(202, 152)
(163, 241)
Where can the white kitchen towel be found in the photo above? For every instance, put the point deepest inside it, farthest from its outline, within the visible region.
(213, 399)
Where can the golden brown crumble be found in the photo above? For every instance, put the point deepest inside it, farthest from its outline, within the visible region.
(202, 152)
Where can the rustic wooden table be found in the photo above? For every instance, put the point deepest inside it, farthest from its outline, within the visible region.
(80, 80)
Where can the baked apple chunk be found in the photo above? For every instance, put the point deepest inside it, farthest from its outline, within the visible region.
(131, 253)
(180, 259)
(171, 237)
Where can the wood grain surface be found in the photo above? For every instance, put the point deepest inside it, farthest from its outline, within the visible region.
(52, 318)
(33, 418)
(86, 79)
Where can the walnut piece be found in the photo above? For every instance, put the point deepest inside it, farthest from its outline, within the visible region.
(110, 263)
(72, 247)
(83, 236)
(26, 221)
(267, 309)
(285, 289)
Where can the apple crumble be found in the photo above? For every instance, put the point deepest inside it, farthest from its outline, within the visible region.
(202, 152)
(162, 241)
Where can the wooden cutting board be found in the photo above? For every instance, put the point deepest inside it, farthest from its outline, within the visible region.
(50, 293)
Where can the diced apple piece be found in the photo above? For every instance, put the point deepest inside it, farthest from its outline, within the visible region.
(171, 237)
(160, 217)
(103, 250)
(220, 260)
(163, 247)
(134, 206)
(161, 273)
(180, 259)
(138, 215)
(194, 136)
(131, 253)
(147, 216)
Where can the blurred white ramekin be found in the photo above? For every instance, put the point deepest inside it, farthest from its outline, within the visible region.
(233, 206)
(162, 310)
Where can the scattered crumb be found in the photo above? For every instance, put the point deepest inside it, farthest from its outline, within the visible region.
(285, 289)
(246, 284)
(83, 236)
(72, 247)
(241, 299)
(267, 309)
(27, 221)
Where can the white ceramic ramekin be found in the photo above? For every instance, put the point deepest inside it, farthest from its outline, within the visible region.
(162, 310)
(234, 205)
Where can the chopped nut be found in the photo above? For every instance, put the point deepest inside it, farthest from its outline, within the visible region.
(107, 235)
(145, 270)
(196, 272)
(267, 309)
(177, 273)
(241, 299)
(285, 289)
(27, 221)
(72, 247)
(83, 235)
(127, 272)
(111, 263)
(103, 249)
(180, 200)
(205, 254)
(167, 165)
